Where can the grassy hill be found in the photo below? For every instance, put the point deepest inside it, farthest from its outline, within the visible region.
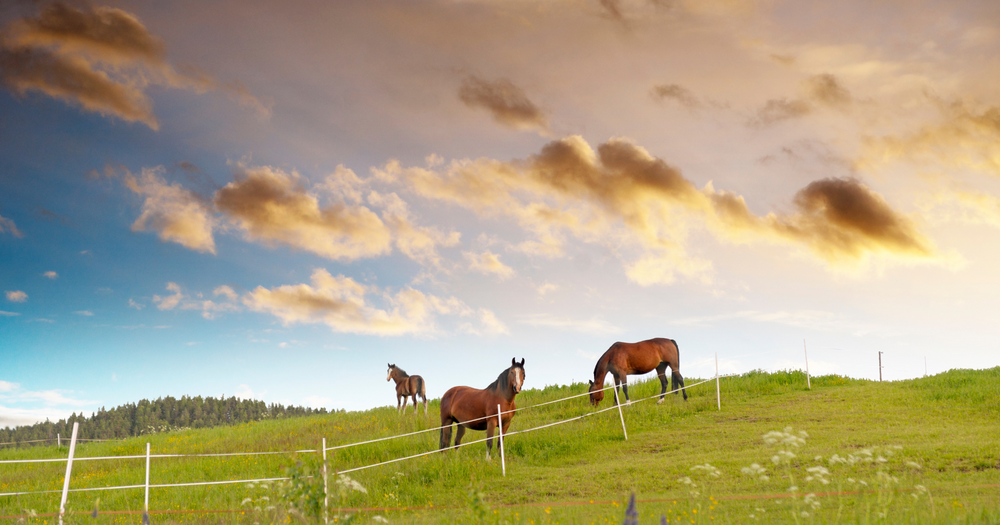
(848, 451)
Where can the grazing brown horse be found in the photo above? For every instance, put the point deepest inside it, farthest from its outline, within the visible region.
(477, 409)
(626, 359)
(407, 385)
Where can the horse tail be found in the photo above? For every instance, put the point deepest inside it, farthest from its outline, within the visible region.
(421, 388)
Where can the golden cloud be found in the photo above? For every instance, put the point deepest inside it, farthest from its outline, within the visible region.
(506, 102)
(416, 242)
(176, 214)
(965, 138)
(568, 187)
(99, 57)
(488, 263)
(273, 207)
(343, 304)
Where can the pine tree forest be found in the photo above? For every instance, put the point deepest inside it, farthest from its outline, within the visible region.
(145, 417)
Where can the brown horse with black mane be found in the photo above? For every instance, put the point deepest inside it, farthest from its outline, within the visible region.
(477, 409)
(625, 359)
(407, 385)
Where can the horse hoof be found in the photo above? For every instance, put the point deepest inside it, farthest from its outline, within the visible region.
(660, 402)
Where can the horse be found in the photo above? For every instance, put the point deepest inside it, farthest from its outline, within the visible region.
(625, 359)
(407, 385)
(476, 409)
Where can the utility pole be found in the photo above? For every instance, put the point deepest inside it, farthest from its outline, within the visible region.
(880, 366)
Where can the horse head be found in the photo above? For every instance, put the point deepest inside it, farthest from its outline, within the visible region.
(515, 374)
(596, 393)
(392, 368)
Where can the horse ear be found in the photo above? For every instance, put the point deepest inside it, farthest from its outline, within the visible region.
(513, 361)
(522, 362)
(591, 382)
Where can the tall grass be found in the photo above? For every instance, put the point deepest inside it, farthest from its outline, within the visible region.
(946, 425)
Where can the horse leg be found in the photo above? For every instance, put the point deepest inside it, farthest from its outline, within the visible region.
(445, 435)
(490, 427)
(624, 383)
(425, 404)
(459, 432)
(399, 403)
(402, 410)
(661, 372)
(678, 380)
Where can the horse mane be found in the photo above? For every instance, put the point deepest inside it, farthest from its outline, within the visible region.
(402, 373)
(501, 383)
(602, 362)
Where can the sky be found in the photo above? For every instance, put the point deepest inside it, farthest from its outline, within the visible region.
(275, 201)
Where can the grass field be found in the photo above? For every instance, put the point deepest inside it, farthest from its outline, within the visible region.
(848, 451)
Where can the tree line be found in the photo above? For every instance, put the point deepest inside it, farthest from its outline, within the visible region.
(146, 417)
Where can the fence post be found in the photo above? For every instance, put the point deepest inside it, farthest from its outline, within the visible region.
(620, 416)
(718, 394)
(808, 382)
(326, 496)
(145, 507)
(503, 462)
(69, 470)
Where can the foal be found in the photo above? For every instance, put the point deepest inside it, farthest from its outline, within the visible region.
(407, 385)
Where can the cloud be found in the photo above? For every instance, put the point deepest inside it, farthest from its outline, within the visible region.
(245, 392)
(85, 313)
(827, 90)
(806, 319)
(176, 214)
(347, 306)
(208, 308)
(225, 291)
(272, 207)
(416, 242)
(612, 9)
(7, 386)
(965, 137)
(506, 102)
(101, 58)
(778, 110)
(15, 417)
(5, 223)
(819, 90)
(51, 275)
(133, 304)
(16, 296)
(547, 288)
(592, 326)
(8, 314)
(569, 188)
(488, 263)
(492, 325)
(171, 301)
(675, 92)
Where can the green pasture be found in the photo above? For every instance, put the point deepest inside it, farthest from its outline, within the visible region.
(847, 451)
